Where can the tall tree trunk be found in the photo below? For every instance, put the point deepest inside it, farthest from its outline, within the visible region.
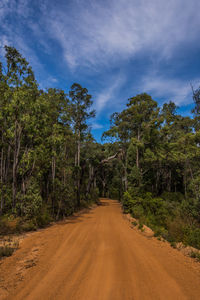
(169, 181)
(138, 158)
(53, 165)
(17, 145)
(1, 180)
(104, 186)
(78, 165)
(192, 177)
(125, 178)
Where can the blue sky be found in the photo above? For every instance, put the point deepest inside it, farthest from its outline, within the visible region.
(115, 48)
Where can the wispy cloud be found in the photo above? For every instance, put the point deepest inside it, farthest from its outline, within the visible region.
(96, 126)
(95, 32)
(108, 95)
(16, 19)
(176, 90)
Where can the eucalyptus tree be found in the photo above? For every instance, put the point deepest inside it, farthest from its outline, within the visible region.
(134, 128)
(80, 113)
(19, 98)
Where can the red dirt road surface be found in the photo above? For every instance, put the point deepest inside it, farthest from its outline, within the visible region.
(97, 256)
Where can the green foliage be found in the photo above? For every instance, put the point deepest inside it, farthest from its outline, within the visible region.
(134, 223)
(39, 132)
(195, 255)
(8, 246)
(159, 168)
(156, 213)
(6, 251)
(160, 232)
(140, 226)
(127, 202)
(192, 236)
(27, 225)
(173, 244)
(172, 197)
(30, 204)
(9, 224)
(152, 209)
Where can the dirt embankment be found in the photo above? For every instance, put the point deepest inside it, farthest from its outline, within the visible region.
(97, 256)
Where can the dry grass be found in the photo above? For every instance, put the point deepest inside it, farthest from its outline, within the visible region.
(7, 246)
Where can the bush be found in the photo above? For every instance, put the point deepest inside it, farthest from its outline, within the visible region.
(192, 236)
(173, 244)
(127, 202)
(172, 197)
(9, 224)
(175, 229)
(140, 226)
(134, 223)
(137, 211)
(160, 232)
(190, 210)
(153, 210)
(43, 218)
(29, 205)
(195, 255)
(6, 251)
(28, 225)
(170, 216)
(114, 193)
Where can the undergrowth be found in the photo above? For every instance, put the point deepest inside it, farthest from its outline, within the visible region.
(170, 216)
(8, 247)
(195, 255)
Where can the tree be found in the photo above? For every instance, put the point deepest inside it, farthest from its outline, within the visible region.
(196, 98)
(80, 112)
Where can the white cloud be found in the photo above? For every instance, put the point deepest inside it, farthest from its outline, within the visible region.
(15, 19)
(19, 7)
(95, 33)
(107, 95)
(96, 126)
(178, 91)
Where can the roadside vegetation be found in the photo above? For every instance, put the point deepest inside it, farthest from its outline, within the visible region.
(51, 166)
(159, 170)
(8, 246)
(46, 149)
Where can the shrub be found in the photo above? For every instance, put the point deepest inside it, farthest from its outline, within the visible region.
(196, 255)
(170, 216)
(127, 202)
(192, 236)
(172, 197)
(29, 205)
(175, 229)
(160, 232)
(173, 244)
(28, 225)
(140, 226)
(43, 218)
(6, 251)
(137, 211)
(134, 223)
(9, 224)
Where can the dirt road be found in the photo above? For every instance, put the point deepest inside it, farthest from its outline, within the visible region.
(97, 256)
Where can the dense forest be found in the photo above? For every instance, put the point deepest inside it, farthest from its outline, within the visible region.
(51, 166)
